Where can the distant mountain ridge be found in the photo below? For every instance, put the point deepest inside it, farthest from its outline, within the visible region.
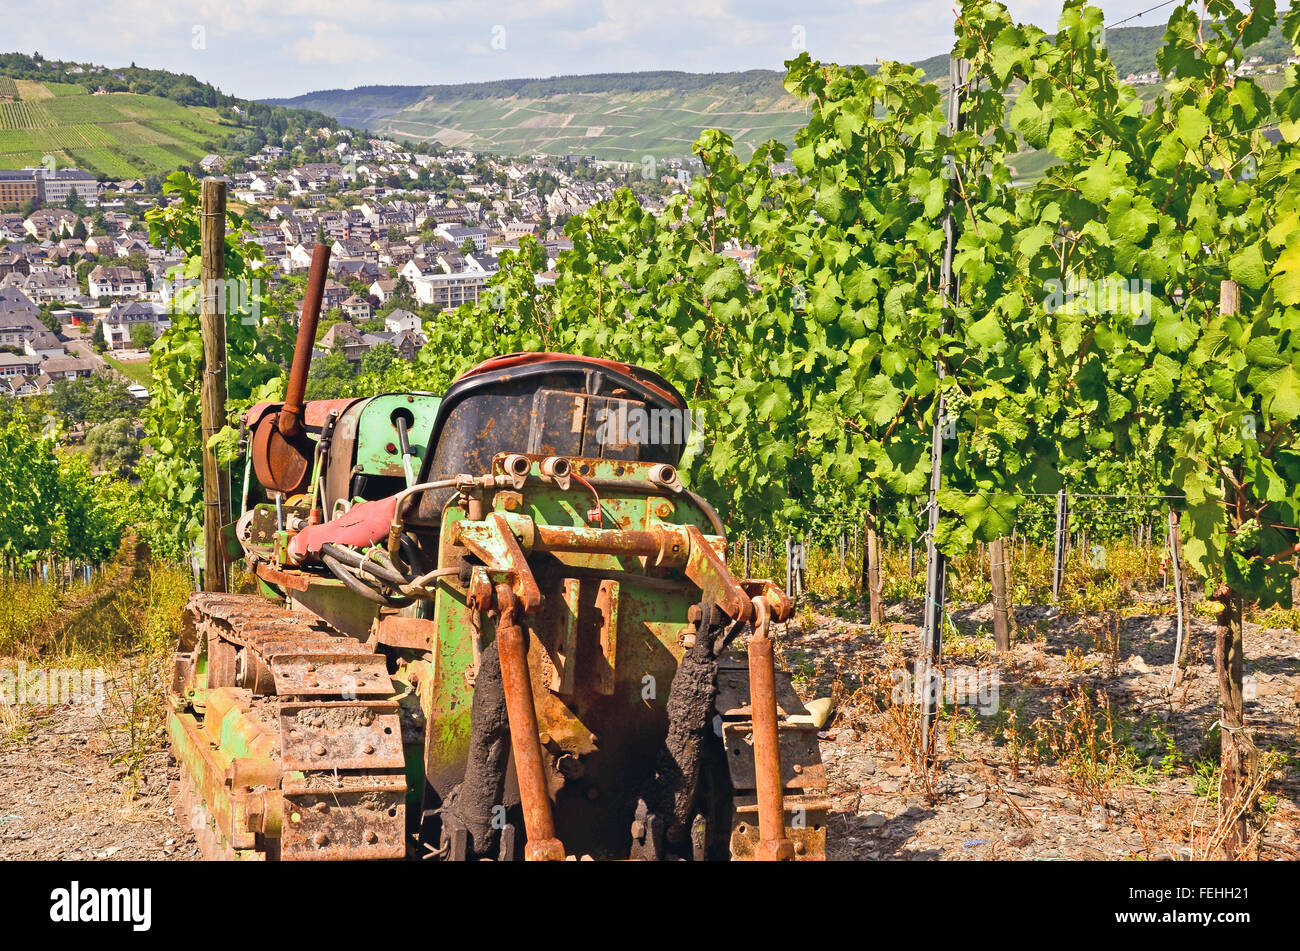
(631, 115)
(127, 121)
(365, 104)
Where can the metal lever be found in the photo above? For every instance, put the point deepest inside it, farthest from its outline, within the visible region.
(404, 443)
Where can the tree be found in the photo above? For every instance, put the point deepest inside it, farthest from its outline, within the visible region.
(100, 398)
(113, 446)
(378, 359)
(403, 294)
(143, 335)
(331, 377)
(97, 337)
(468, 247)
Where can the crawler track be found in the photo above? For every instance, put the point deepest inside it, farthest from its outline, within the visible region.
(298, 723)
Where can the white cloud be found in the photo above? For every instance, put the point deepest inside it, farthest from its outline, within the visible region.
(271, 48)
(332, 44)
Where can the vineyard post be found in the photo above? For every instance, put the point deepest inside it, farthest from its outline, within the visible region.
(1181, 602)
(1236, 753)
(801, 564)
(1058, 555)
(789, 566)
(935, 562)
(212, 392)
(749, 557)
(998, 573)
(871, 573)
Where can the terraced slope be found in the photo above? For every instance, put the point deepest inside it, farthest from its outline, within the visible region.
(114, 135)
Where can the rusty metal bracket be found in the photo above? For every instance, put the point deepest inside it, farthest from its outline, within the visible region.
(525, 742)
(707, 569)
(773, 844)
(493, 541)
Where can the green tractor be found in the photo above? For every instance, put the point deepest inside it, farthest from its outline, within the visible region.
(488, 625)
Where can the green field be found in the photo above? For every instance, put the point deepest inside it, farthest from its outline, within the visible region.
(628, 126)
(117, 135)
(137, 371)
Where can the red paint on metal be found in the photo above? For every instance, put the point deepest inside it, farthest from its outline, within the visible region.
(363, 525)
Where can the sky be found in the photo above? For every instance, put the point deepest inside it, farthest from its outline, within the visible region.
(278, 48)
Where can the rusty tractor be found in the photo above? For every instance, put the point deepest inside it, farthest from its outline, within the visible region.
(487, 625)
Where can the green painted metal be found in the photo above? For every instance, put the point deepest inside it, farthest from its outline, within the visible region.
(329, 598)
(649, 617)
(376, 430)
(447, 694)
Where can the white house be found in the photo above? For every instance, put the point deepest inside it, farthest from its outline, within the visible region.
(401, 321)
(121, 318)
(106, 281)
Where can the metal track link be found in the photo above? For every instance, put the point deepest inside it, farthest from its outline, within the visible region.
(339, 757)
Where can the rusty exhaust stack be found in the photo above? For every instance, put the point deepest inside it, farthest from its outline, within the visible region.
(290, 418)
(282, 451)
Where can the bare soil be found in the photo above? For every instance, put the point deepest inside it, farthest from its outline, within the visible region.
(76, 784)
(982, 804)
(66, 791)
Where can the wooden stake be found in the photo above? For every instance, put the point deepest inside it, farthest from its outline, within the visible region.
(1182, 602)
(1062, 535)
(874, 586)
(998, 573)
(212, 389)
(1236, 748)
(936, 564)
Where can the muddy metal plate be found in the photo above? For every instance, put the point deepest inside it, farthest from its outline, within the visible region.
(801, 766)
(805, 827)
(361, 817)
(319, 675)
(341, 736)
(733, 694)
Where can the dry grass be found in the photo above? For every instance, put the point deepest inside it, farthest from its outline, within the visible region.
(124, 623)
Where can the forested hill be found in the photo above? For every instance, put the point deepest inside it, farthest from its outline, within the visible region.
(629, 115)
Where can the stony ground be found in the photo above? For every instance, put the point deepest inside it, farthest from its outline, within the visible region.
(986, 797)
(76, 784)
(80, 783)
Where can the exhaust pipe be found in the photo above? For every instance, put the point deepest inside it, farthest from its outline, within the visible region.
(290, 420)
(282, 450)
